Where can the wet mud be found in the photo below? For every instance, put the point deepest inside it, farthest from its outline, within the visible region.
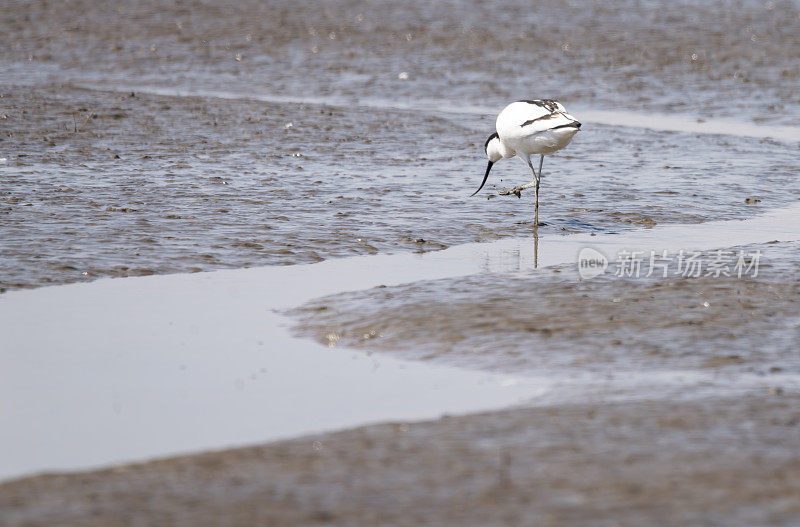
(711, 59)
(97, 183)
(550, 321)
(714, 461)
(113, 164)
(101, 183)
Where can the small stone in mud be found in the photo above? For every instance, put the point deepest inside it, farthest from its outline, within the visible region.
(751, 201)
(371, 335)
(720, 361)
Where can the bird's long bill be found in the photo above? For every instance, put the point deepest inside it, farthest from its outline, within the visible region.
(485, 177)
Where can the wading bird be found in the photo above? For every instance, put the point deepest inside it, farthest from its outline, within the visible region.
(541, 126)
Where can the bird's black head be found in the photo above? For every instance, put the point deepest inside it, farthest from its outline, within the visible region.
(489, 140)
(492, 149)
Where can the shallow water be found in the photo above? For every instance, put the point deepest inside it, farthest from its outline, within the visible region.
(151, 138)
(554, 322)
(677, 122)
(524, 307)
(712, 60)
(126, 370)
(150, 366)
(285, 134)
(159, 184)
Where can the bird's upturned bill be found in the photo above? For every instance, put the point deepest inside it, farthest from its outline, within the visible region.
(485, 177)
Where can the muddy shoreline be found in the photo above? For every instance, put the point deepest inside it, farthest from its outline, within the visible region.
(108, 184)
(712, 461)
(98, 180)
(552, 321)
(714, 59)
(101, 184)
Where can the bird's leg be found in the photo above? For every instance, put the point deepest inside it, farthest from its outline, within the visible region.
(533, 184)
(518, 190)
(536, 192)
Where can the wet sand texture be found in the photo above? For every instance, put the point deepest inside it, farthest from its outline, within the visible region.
(203, 183)
(154, 184)
(351, 156)
(715, 58)
(551, 321)
(717, 461)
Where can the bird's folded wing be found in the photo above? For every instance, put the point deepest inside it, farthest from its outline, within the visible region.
(531, 117)
(546, 122)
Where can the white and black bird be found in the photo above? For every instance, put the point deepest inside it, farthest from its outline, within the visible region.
(524, 128)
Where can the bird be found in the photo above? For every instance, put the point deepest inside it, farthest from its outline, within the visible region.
(525, 128)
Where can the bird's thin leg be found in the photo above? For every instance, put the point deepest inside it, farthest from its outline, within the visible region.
(535, 184)
(536, 191)
(517, 191)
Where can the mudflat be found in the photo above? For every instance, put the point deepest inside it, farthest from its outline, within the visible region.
(714, 461)
(148, 138)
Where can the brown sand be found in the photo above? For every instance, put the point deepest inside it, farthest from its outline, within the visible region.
(551, 321)
(717, 461)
